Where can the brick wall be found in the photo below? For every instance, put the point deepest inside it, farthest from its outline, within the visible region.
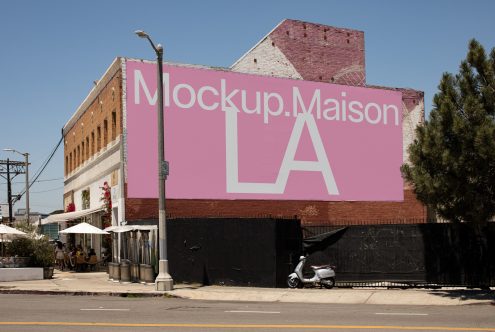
(308, 51)
(310, 212)
(98, 124)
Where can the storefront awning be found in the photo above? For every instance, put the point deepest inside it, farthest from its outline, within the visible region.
(128, 228)
(57, 218)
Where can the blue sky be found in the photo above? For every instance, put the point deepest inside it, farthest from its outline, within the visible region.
(52, 51)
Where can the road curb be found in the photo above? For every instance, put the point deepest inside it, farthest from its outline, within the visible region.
(85, 293)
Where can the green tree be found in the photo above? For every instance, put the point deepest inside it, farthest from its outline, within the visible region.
(452, 160)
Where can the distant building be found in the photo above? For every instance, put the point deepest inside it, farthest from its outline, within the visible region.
(96, 141)
(4, 211)
(34, 217)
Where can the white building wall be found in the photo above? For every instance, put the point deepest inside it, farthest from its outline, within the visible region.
(265, 59)
(93, 174)
(410, 122)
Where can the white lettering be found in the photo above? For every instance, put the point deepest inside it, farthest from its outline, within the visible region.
(335, 110)
(257, 107)
(266, 105)
(288, 164)
(367, 113)
(226, 99)
(139, 81)
(166, 88)
(192, 95)
(321, 165)
(396, 112)
(356, 108)
(297, 100)
(201, 102)
(344, 111)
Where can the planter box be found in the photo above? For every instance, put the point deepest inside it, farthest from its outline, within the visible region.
(20, 274)
(48, 272)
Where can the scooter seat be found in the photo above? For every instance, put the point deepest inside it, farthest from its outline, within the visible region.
(317, 267)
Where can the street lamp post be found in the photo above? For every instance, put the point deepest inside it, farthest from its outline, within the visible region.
(26, 158)
(163, 281)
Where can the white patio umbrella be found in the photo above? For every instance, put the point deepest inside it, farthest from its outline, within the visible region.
(83, 228)
(4, 229)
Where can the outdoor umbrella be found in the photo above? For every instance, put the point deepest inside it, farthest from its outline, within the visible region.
(83, 228)
(4, 229)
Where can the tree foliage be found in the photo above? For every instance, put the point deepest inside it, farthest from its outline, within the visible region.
(452, 160)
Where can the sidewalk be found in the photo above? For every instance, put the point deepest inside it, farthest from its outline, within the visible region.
(97, 283)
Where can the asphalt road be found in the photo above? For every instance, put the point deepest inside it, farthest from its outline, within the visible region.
(99, 313)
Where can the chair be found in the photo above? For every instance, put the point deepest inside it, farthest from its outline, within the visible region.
(93, 262)
(80, 263)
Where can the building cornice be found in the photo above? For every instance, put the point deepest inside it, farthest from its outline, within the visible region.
(93, 94)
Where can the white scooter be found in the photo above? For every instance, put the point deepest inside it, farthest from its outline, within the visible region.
(323, 275)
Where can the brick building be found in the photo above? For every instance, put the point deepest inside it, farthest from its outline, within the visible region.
(95, 136)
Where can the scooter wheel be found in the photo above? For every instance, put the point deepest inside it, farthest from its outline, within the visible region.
(293, 282)
(328, 283)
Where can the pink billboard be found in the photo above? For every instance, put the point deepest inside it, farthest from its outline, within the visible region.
(238, 136)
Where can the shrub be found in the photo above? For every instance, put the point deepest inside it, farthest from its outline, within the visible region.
(40, 251)
(43, 253)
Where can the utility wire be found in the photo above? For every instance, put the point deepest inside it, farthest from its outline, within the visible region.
(45, 191)
(22, 182)
(39, 171)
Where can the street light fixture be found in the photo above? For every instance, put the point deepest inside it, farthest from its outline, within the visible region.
(26, 157)
(163, 281)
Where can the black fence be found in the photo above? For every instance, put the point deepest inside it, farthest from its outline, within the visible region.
(264, 251)
(243, 252)
(441, 254)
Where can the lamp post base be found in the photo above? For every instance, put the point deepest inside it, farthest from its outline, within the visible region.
(163, 281)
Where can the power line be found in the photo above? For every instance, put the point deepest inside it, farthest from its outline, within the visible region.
(40, 170)
(22, 182)
(45, 191)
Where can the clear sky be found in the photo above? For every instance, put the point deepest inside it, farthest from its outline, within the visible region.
(52, 51)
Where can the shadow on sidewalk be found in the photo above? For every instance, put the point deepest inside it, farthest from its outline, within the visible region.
(465, 294)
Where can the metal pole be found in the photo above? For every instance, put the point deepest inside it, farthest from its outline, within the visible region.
(163, 281)
(27, 186)
(9, 192)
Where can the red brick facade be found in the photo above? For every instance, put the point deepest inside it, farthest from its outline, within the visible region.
(322, 53)
(310, 212)
(97, 126)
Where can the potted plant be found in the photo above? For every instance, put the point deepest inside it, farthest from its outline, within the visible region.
(36, 250)
(43, 256)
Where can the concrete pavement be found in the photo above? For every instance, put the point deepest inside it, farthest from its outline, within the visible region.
(97, 283)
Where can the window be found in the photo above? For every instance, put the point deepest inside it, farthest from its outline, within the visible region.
(98, 138)
(83, 155)
(87, 147)
(92, 142)
(78, 156)
(85, 199)
(114, 125)
(105, 132)
(66, 165)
